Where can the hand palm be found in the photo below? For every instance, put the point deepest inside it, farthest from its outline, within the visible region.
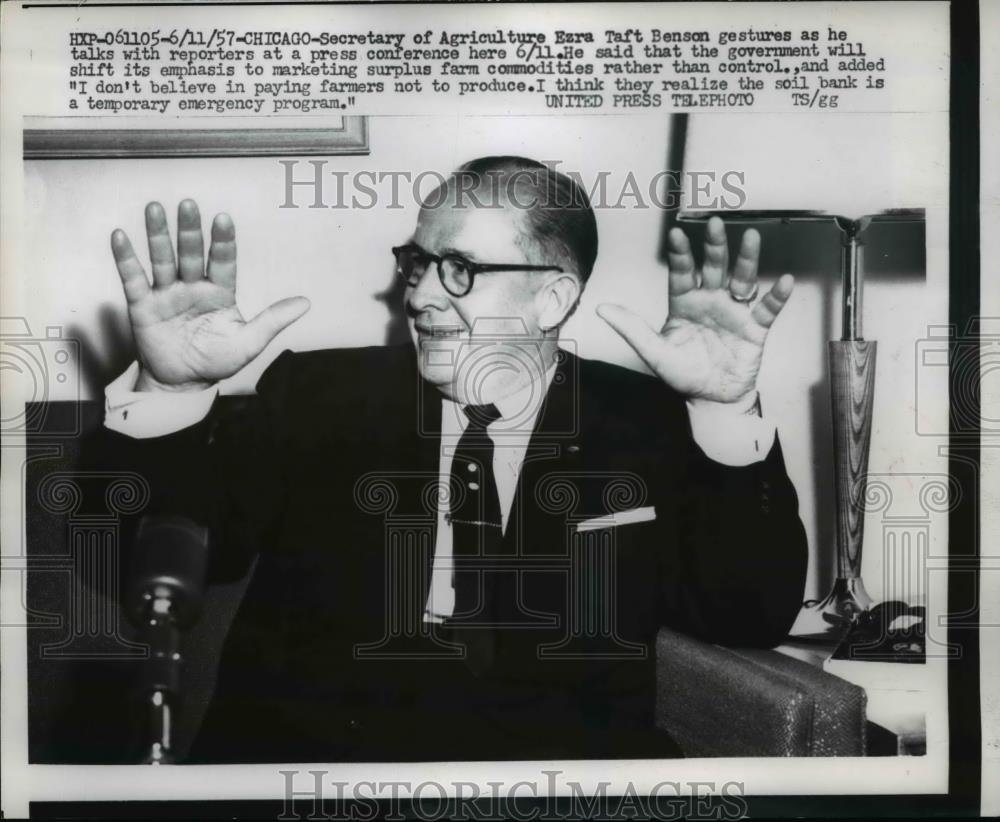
(188, 333)
(712, 343)
(187, 327)
(718, 342)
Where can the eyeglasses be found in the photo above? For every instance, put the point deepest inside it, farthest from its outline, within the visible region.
(456, 273)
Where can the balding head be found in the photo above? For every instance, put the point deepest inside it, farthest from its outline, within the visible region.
(558, 223)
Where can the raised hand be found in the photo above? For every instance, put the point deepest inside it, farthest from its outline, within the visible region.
(187, 328)
(711, 345)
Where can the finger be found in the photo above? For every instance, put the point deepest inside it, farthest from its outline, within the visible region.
(222, 252)
(681, 262)
(744, 279)
(272, 321)
(716, 265)
(134, 281)
(646, 342)
(190, 243)
(161, 251)
(767, 310)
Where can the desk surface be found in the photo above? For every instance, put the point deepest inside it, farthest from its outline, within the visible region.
(815, 652)
(900, 708)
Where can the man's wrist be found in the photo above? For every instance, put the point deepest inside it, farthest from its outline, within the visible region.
(754, 410)
(147, 382)
(731, 433)
(152, 413)
(748, 404)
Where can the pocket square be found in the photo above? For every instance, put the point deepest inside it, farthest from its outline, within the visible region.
(629, 517)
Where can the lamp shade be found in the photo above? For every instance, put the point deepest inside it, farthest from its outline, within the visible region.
(845, 164)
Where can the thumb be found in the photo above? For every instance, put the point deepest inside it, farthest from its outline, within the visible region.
(274, 319)
(638, 334)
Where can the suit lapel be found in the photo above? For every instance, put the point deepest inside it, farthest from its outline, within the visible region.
(428, 461)
(535, 526)
(410, 462)
(554, 446)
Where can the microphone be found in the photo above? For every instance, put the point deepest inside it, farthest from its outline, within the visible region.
(163, 596)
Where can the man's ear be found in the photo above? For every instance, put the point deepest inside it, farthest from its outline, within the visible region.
(557, 299)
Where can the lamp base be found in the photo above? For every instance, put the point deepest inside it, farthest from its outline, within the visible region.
(831, 617)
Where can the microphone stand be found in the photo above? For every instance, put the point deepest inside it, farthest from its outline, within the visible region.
(161, 683)
(164, 597)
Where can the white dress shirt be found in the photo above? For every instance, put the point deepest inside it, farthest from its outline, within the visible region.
(510, 435)
(727, 434)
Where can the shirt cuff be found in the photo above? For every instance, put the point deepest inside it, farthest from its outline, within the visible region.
(730, 434)
(146, 414)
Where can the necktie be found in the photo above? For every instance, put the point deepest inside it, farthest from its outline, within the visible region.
(477, 531)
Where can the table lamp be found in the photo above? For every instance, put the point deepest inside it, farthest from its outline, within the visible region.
(831, 234)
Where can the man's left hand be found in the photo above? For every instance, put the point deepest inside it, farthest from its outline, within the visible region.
(711, 345)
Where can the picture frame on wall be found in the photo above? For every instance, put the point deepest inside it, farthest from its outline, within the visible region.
(58, 141)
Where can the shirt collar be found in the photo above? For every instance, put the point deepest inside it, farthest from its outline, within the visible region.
(518, 411)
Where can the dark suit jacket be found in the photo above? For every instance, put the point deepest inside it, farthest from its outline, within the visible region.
(327, 475)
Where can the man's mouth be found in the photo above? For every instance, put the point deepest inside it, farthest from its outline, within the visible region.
(439, 332)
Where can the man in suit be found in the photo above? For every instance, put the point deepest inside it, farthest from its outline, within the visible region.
(464, 547)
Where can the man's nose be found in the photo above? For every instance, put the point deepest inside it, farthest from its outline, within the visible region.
(428, 292)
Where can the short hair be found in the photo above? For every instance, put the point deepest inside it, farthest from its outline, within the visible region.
(559, 215)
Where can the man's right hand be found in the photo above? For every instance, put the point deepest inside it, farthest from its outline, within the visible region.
(187, 328)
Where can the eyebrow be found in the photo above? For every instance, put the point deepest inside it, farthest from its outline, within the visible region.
(458, 252)
(419, 248)
(447, 250)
